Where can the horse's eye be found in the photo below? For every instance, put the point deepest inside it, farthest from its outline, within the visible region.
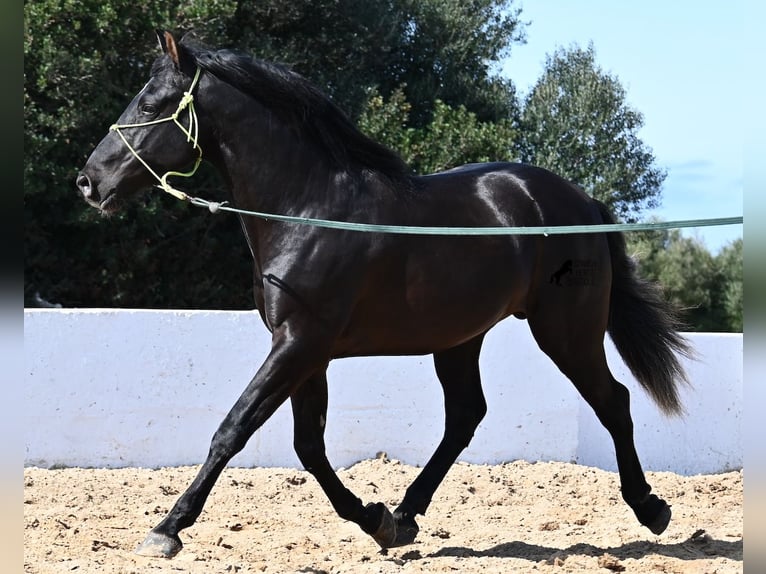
(148, 109)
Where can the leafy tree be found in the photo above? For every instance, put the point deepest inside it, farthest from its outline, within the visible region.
(447, 54)
(576, 122)
(707, 288)
(432, 49)
(84, 61)
(454, 136)
(730, 264)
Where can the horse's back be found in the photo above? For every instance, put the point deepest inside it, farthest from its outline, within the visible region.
(556, 200)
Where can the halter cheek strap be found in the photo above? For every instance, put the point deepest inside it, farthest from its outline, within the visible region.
(192, 135)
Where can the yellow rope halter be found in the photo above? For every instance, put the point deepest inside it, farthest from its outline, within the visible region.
(191, 132)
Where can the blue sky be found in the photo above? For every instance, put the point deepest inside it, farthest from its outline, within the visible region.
(682, 64)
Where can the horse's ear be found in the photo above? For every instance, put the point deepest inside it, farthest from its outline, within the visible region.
(161, 40)
(169, 46)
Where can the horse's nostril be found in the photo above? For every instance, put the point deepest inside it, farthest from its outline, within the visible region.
(83, 183)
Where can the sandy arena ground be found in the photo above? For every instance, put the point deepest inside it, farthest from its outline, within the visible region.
(515, 517)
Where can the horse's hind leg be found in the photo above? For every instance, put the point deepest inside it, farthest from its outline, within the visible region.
(464, 408)
(309, 403)
(573, 338)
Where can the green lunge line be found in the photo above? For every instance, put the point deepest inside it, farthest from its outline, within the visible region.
(414, 230)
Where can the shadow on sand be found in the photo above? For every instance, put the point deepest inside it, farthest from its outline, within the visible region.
(696, 547)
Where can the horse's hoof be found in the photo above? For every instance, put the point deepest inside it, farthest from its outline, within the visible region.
(406, 533)
(406, 528)
(385, 535)
(654, 513)
(661, 521)
(157, 545)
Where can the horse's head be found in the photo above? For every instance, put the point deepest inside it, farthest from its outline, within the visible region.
(155, 135)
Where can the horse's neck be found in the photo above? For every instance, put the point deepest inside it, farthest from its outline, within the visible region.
(267, 167)
(266, 164)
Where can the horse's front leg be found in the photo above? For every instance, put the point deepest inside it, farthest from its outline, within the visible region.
(309, 402)
(290, 362)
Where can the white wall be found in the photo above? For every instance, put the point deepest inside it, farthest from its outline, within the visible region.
(110, 388)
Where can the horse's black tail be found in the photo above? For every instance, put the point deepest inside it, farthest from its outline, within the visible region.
(645, 327)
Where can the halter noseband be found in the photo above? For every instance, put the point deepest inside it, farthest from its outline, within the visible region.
(191, 132)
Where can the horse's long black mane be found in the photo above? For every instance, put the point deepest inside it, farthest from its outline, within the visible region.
(304, 107)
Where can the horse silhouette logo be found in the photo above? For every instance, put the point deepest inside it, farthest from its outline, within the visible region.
(565, 269)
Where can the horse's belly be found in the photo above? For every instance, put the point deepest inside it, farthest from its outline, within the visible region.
(438, 304)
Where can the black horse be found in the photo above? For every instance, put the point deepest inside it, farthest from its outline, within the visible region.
(285, 148)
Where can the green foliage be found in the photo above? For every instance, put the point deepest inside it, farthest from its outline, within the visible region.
(453, 137)
(576, 123)
(707, 288)
(447, 52)
(341, 45)
(437, 49)
(84, 61)
(730, 266)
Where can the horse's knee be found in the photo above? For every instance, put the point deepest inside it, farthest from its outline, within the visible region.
(226, 443)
